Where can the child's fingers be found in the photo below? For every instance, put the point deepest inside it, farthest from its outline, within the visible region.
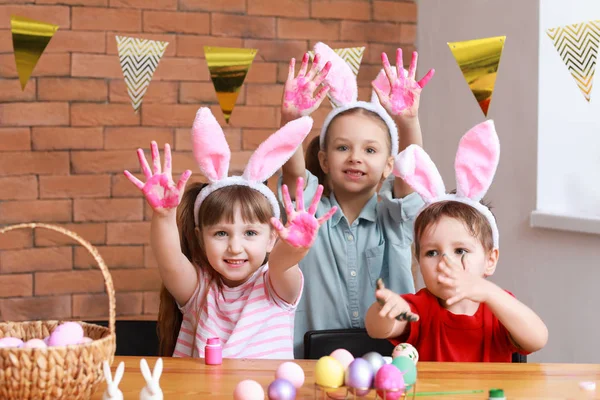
(167, 166)
(144, 164)
(451, 263)
(327, 215)
(383, 98)
(407, 316)
(321, 93)
(134, 180)
(287, 201)
(455, 299)
(426, 78)
(303, 66)
(399, 64)
(300, 194)
(380, 284)
(388, 68)
(183, 180)
(445, 280)
(292, 69)
(314, 68)
(412, 70)
(155, 159)
(315, 201)
(320, 77)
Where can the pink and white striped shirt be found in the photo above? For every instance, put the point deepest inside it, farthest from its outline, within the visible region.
(251, 320)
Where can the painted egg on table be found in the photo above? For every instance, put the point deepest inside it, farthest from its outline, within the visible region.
(291, 372)
(248, 390)
(359, 377)
(375, 359)
(329, 373)
(389, 379)
(408, 369)
(343, 356)
(407, 350)
(10, 342)
(66, 334)
(281, 389)
(35, 344)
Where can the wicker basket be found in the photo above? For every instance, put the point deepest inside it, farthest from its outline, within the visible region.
(63, 372)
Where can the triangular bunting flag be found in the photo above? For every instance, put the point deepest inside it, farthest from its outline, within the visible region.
(139, 59)
(577, 45)
(30, 39)
(228, 68)
(478, 60)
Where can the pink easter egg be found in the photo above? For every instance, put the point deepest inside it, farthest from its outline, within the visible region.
(66, 334)
(343, 356)
(46, 339)
(35, 344)
(248, 390)
(10, 342)
(389, 378)
(86, 340)
(291, 372)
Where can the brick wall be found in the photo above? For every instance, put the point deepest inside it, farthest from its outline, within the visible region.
(66, 139)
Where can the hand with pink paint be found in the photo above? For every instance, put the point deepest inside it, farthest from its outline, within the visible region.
(398, 91)
(302, 227)
(160, 191)
(304, 94)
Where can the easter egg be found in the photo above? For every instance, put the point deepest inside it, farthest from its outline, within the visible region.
(389, 379)
(10, 342)
(248, 390)
(281, 389)
(408, 369)
(343, 356)
(35, 344)
(329, 373)
(291, 372)
(66, 334)
(375, 359)
(407, 350)
(86, 340)
(359, 377)
(387, 360)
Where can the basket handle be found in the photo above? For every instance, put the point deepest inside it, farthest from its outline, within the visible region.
(110, 289)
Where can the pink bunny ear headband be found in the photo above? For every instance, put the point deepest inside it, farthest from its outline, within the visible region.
(344, 92)
(213, 154)
(475, 165)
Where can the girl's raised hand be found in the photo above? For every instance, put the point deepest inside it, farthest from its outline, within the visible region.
(302, 227)
(304, 94)
(159, 189)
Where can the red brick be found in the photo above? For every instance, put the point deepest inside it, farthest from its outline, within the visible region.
(18, 188)
(58, 15)
(75, 2)
(373, 53)
(242, 25)
(10, 90)
(43, 163)
(65, 41)
(37, 259)
(114, 257)
(121, 187)
(34, 114)
(197, 92)
(170, 51)
(151, 302)
(108, 209)
(134, 138)
(6, 44)
(371, 31)
(95, 233)
(15, 139)
(264, 95)
(234, 6)
(136, 279)
(16, 1)
(35, 211)
(51, 283)
(157, 92)
(280, 8)
(128, 233)
(189, 22)
(74, 186)
(408, 33)
(254, 117)
(154, 4)
(66, 138)
(48, 65)
(394, 11)
(35, 308)
(84, 114)
(262, 73)
(277, 50)
(96, 66)
(106, 19)
(72, 89)
(16, 285)
(341, 9)
(308, 29)
(181, 69)
(96, 305)
(16, 239)
(168, 115)
(193, 46)
(251, 138)
(149, 260)
(183, 139)
(367, 73)
(93, 162)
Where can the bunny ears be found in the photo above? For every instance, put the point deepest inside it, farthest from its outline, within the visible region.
(344, 94)
(213, 155)
(475, 165)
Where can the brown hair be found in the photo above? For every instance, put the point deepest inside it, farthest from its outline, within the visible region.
(218, 206)
(312, 151)
(476, 223)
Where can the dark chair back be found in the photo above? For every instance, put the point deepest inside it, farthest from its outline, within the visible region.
(135, 338)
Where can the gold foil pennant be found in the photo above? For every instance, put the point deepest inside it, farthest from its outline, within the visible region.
(228, 68)
(478, 61)
(30, 39)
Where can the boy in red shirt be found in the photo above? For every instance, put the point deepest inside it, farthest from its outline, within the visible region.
(460, 315)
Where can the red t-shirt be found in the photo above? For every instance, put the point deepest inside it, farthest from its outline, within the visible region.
(440, 335)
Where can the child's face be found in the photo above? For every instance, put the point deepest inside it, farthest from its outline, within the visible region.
(358, 154)
(236, 250)
(450, 236)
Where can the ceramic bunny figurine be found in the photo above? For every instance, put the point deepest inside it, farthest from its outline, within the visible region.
(112, 385)
(152, 390)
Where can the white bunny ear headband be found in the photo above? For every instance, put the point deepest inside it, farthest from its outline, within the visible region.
(213, 154)
(475, 165)
(344, 93)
